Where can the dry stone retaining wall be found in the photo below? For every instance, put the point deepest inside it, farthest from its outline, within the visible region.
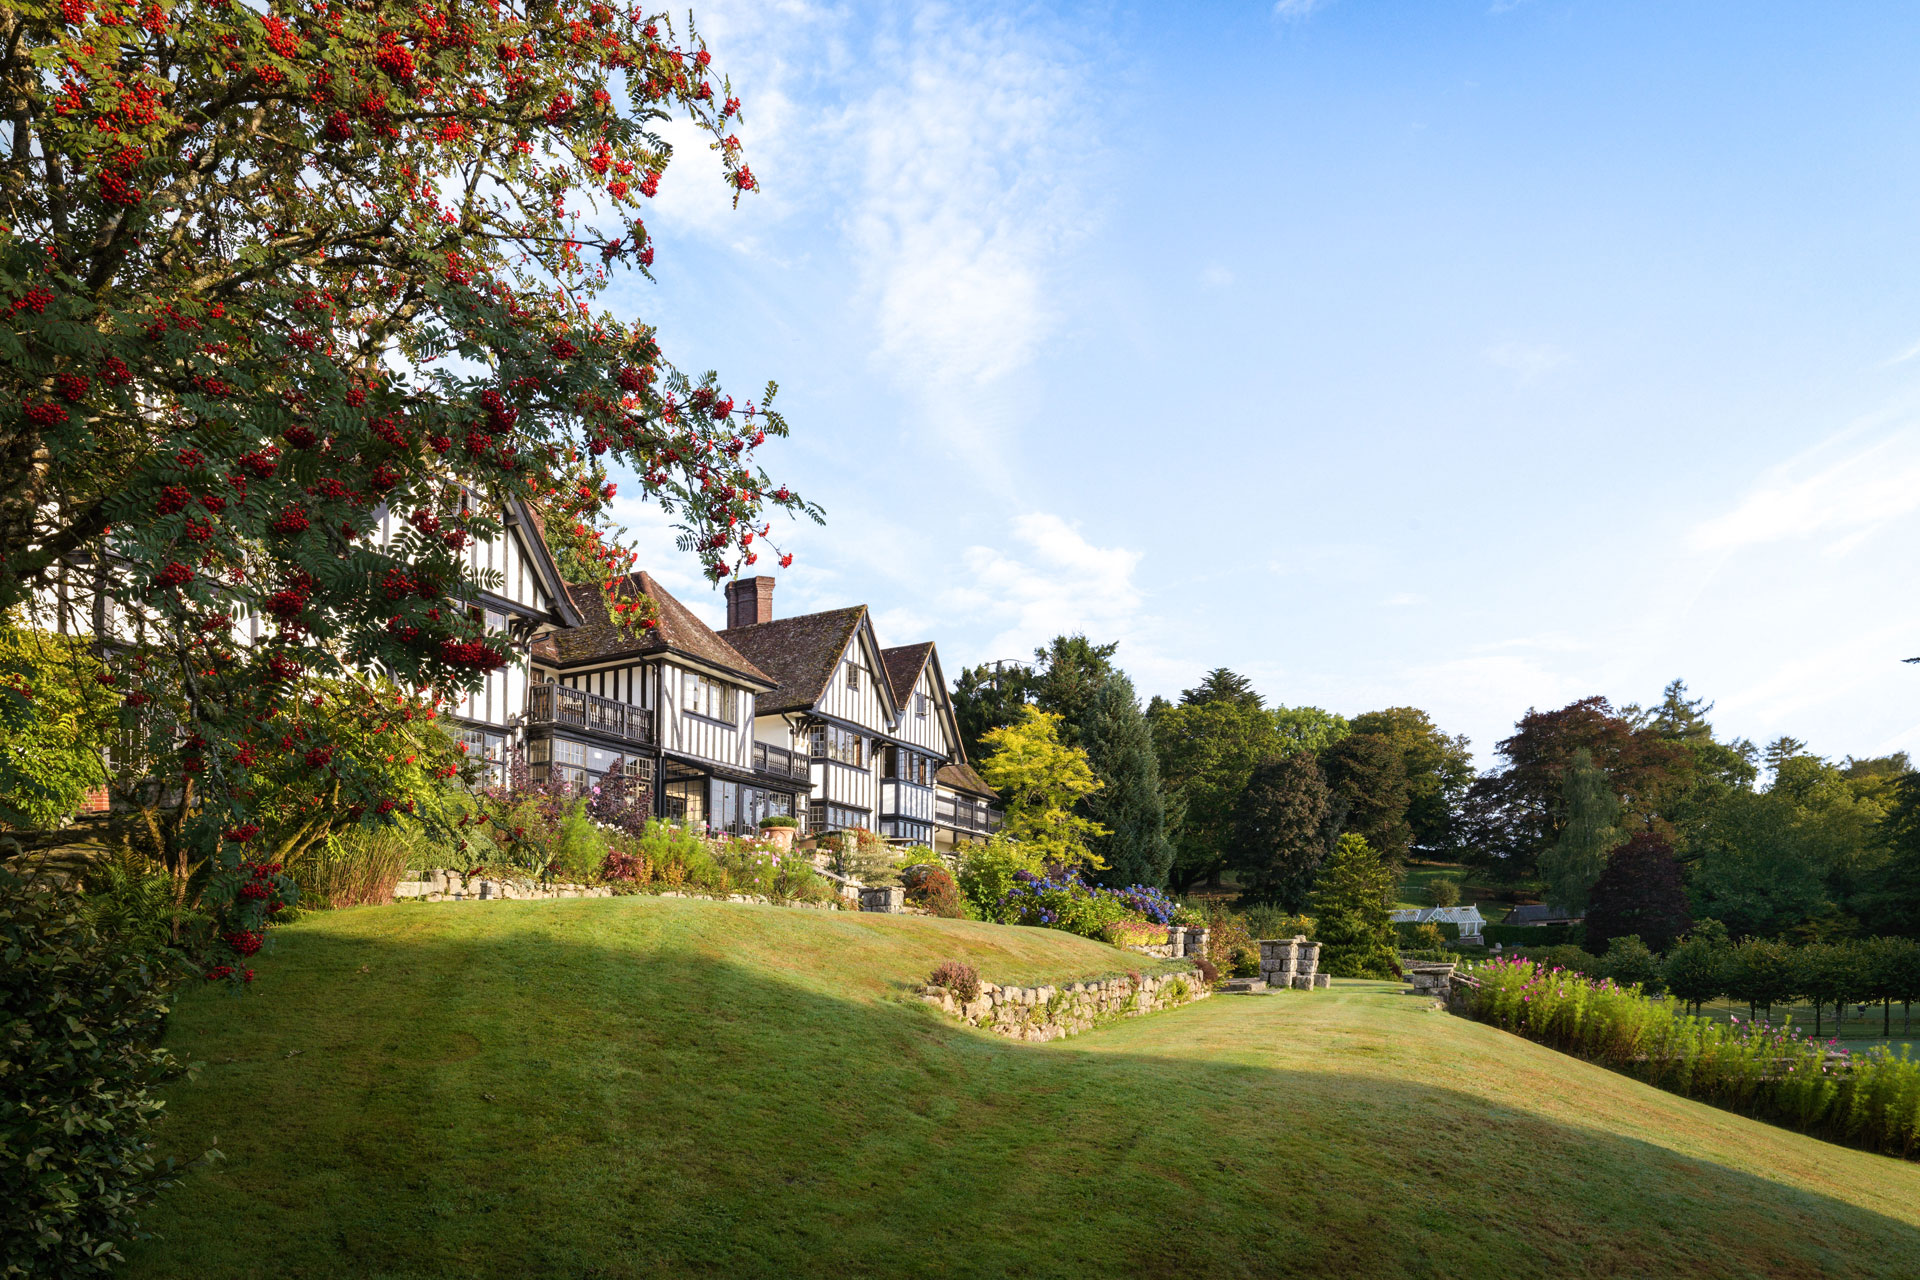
(1181, 941)
(1048, 1013)
(452, 886)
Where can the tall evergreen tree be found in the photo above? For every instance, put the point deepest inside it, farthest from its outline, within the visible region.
(1367, 779)
(1278, 830)
(1098, 712)
(1207, 752)
(1577, 858)
(1222, 685)
(1439, 770)
(1350, 913)
(1129, 804)
(985, 699)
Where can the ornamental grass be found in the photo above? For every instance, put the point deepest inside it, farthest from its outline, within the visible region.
(1870, 1099)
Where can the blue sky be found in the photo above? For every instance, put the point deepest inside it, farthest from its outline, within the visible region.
(1472, 356)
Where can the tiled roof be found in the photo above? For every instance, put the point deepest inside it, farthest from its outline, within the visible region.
(904, 666)
(960, 776)
(799, 654)
(597, 639)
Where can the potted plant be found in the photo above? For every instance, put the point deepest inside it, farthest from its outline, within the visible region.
(779, 831)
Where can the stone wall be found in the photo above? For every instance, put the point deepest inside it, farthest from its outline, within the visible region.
(1291, 962)
(1181, 941)
(1048, 1013)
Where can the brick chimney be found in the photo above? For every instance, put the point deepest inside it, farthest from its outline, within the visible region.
(749, 601)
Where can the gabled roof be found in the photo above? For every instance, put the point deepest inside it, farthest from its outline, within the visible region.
(959, 776)
(524, 521)
(597, 639)
(904, 666)
(800, 654)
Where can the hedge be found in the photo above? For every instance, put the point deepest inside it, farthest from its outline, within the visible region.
(1534, 935)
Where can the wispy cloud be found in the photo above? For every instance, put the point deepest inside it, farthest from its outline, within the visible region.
(1825, 492)
(1904, 356)
(967, 191)
(1296, 10)
(1216, 277)
(1530, 360)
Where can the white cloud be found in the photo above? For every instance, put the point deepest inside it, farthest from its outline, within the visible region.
(1905, 356)
(1824, 493)
(967, 191)
(1531, 360)
(1216, 277)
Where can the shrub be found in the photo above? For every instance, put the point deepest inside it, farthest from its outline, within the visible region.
(861, 855)
(1208, 973)
(1245, 962)
(1630, 964)
(1178, 989)
(137, 902)
(1227, 932)
(1062, 900)
(1272, 922)
(1443, 892)
(351, 868)
(1428, 937)
(1151, 903)
(963, 980)
(1134, 933)
(930, 887)
(626, 868)
(81, 1017)
(778, 820)
(986, 875)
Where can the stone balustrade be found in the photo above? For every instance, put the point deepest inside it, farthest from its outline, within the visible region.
(1048, 1013)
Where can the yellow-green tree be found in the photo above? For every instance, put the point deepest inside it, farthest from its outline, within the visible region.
(53, 707)
(1041, 779)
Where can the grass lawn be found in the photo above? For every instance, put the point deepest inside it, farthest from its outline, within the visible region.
(1413, 888)
(640, 1087)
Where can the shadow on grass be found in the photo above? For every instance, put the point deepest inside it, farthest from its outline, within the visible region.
(530, 1106)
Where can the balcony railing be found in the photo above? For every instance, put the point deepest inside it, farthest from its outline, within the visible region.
(778, 762)
(965, 815)
(558, 705)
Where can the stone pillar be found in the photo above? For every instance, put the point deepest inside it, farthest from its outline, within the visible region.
(1176, 940)
(1309, 953)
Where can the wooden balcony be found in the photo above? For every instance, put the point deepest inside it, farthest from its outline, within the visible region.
(553, 704)
(958, 814)
(778, 762)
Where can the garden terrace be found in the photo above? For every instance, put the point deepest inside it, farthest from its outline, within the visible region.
(637, 1086)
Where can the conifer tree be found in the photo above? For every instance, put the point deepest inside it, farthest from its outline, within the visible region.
(1279, 838)
(1578, 857)
(1350, 913)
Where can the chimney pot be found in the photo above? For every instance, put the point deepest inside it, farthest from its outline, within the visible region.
(749, 601)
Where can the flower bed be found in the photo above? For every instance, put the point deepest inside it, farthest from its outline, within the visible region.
(1870, 1099)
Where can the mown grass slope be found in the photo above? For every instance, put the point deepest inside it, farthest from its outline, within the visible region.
(640, 1087)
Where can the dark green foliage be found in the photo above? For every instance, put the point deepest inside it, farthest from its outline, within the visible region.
(1443, 891)
(1762, 972)
(1575, 861)
(1629, 962)
(1517, 812)
(1222, 685)
(1439, 770)
(1641, 892)
(1129, 804)
(1530, 936)
(1207, 752)
(1278, 840)
(81, 1017)
(985, 699)
(1695, 971)
(1357, 938)
(1367, 786)
(1100, 714)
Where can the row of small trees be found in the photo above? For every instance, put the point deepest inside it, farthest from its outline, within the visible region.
(1764, 972)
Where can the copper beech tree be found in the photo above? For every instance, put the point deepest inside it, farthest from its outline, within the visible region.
(269, 271)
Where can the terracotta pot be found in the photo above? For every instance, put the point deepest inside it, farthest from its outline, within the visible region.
(780, 838)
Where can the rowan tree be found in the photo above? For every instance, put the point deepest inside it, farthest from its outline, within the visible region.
(270, 275)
